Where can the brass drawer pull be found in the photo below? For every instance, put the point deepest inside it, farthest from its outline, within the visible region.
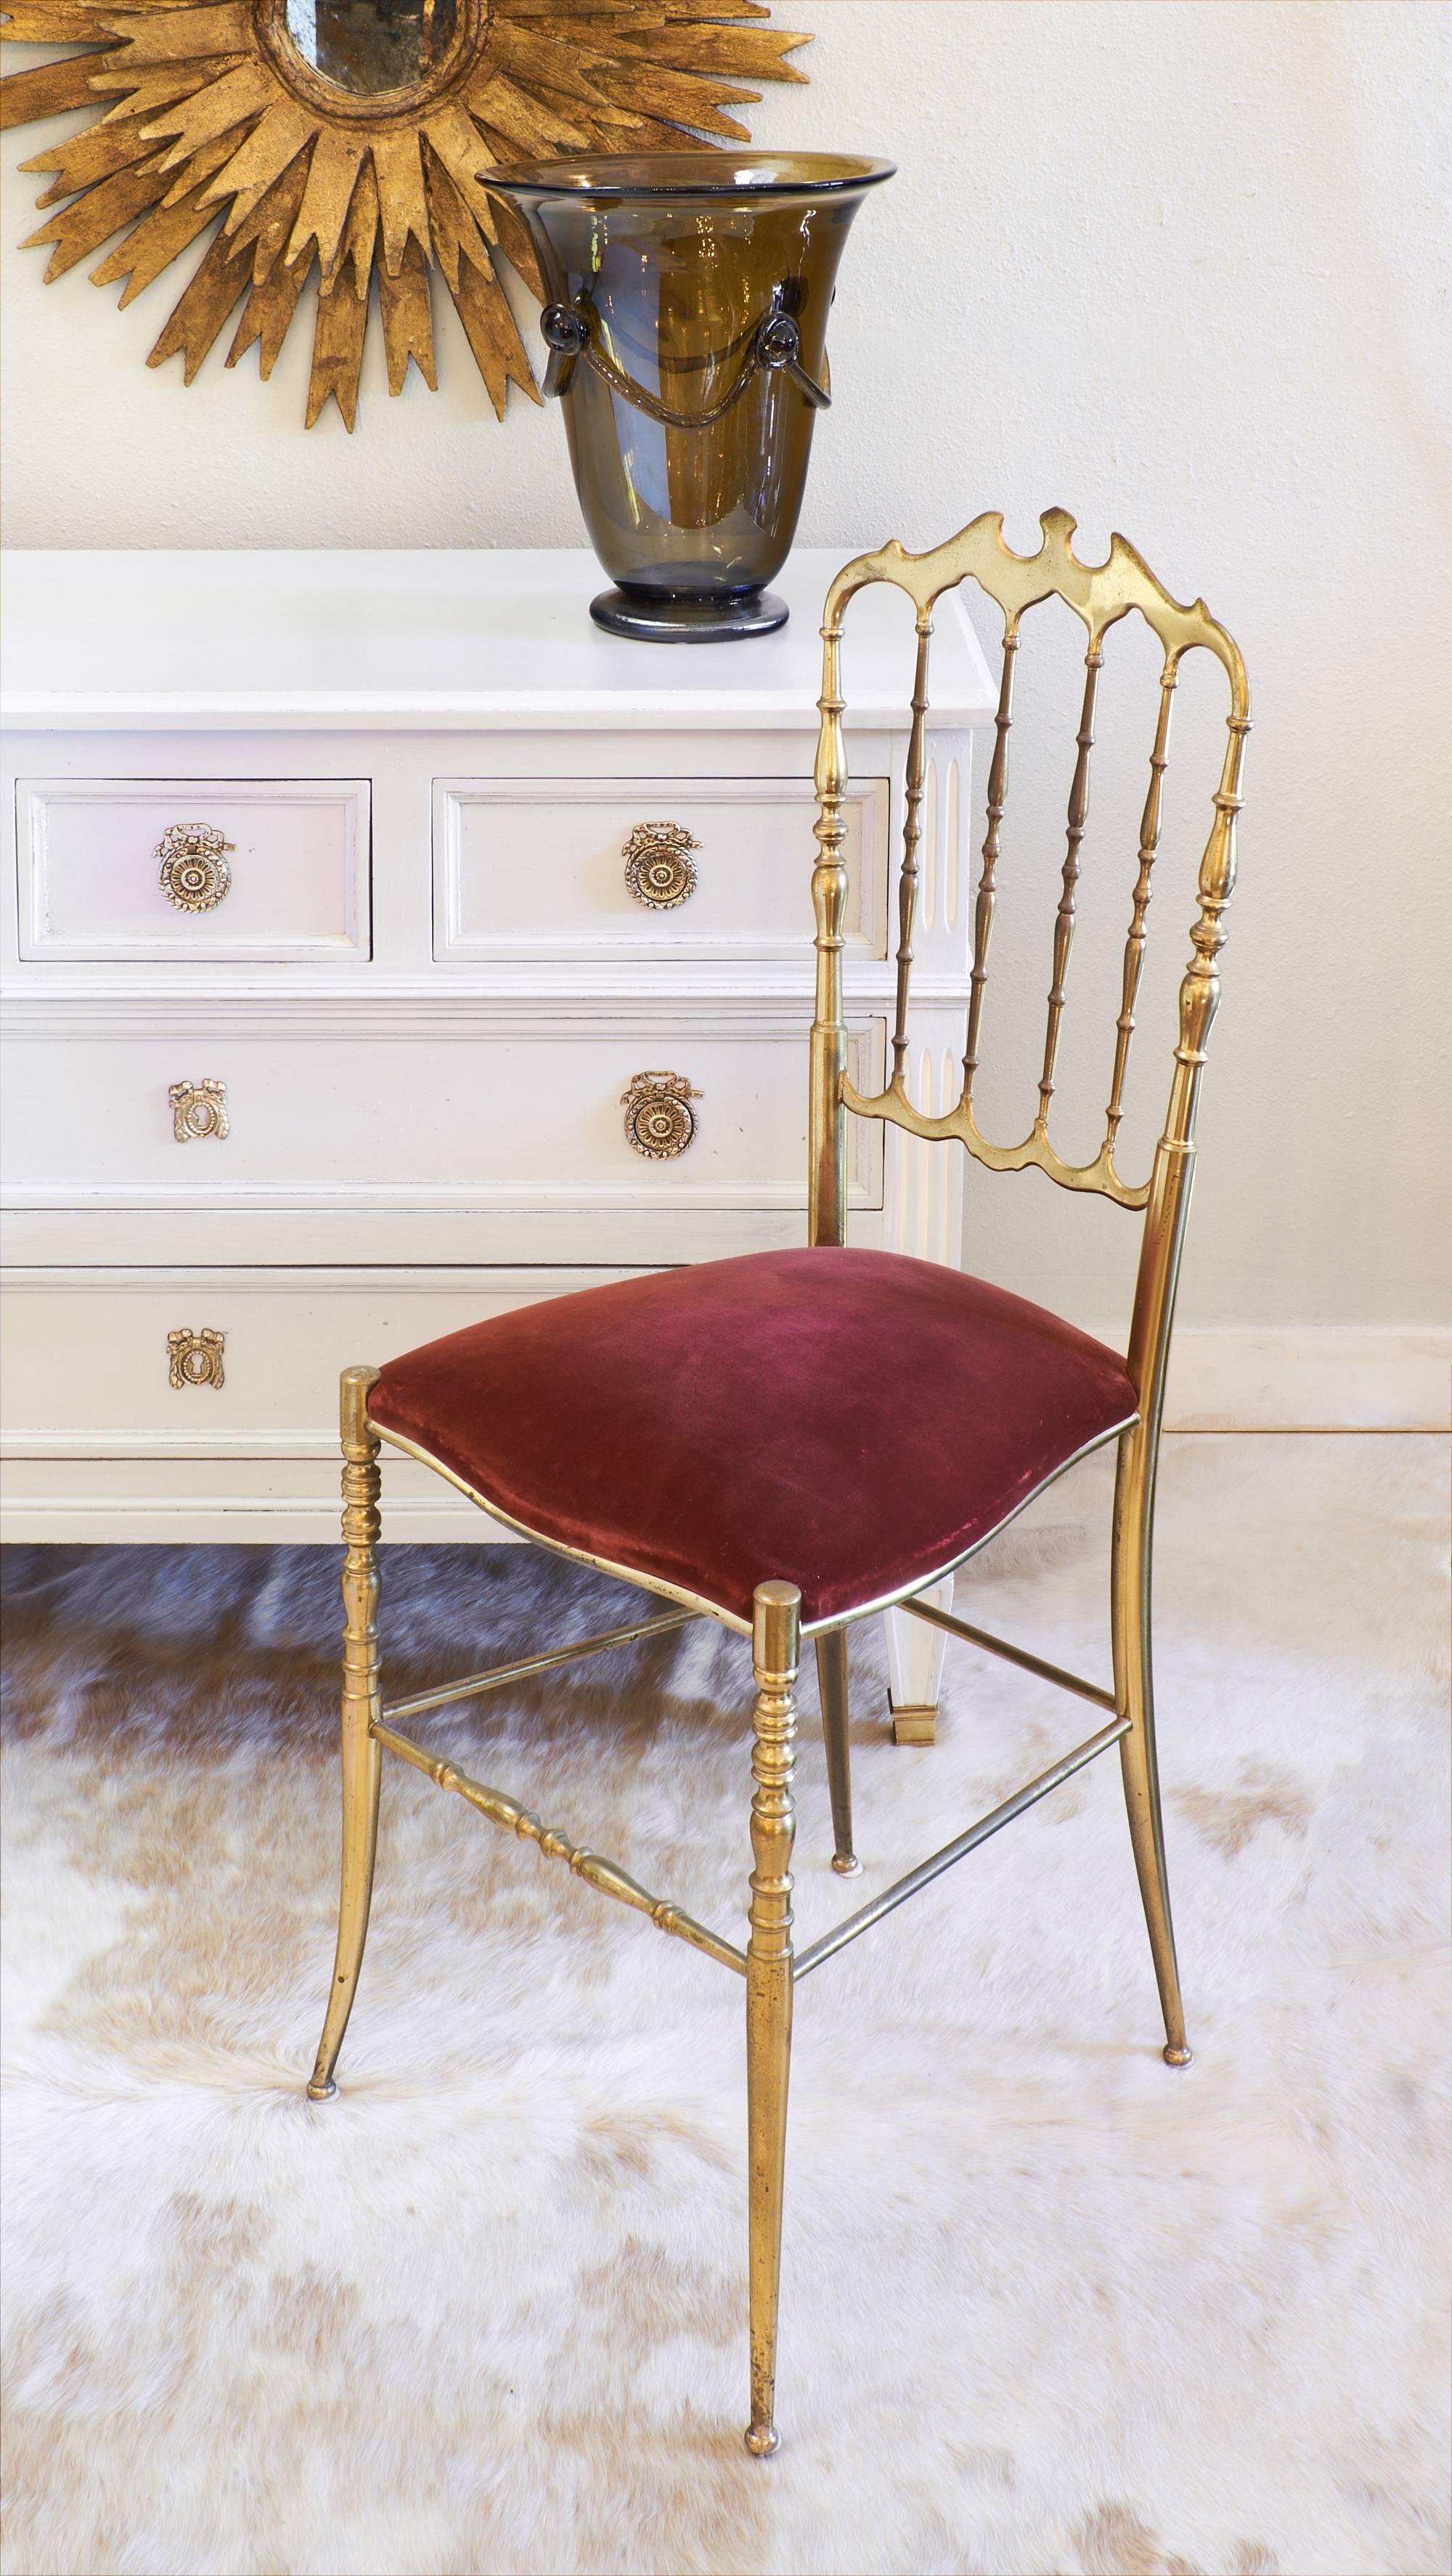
(659, 1120)
(198, 1110)
(195, 872)
(658, 871)
(196, 1358)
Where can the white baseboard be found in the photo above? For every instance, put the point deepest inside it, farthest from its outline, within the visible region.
(1310, 1378)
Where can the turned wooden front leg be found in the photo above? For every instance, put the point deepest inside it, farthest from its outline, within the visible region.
(915, 1668)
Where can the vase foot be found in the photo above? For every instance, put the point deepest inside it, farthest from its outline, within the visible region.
(657, 620)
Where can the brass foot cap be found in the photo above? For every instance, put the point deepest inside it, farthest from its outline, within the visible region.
(322, 2092)
(1179, 2057)
(762, 2440)
(913, 1725)
(846, 1864)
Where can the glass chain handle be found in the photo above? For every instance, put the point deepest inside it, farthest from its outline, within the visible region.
(571, 331)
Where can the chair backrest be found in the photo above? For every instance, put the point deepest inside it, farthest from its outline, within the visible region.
(1099, 595)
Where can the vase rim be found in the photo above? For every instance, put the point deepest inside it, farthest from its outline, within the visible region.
(702, 173)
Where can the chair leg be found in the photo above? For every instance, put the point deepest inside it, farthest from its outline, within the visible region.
(1134, 1692)
(915, 1668)
(775, 1649)
(832, 1687)
(362, 1702)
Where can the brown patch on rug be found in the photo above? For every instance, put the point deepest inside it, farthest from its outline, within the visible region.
(1112, 2541)
(1229, 1817)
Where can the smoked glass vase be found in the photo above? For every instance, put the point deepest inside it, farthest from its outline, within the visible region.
(686, 320)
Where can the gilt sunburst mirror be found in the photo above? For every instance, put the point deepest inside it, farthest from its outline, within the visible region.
(348, 141)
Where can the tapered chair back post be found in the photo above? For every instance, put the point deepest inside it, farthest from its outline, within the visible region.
(827, 1122)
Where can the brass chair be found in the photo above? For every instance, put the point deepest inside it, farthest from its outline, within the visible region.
(790, 1441)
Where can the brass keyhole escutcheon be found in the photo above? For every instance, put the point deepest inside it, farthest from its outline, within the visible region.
(659, 1120)
(198, 1111)
(196, 874)
(195, 1358)
(659, 871)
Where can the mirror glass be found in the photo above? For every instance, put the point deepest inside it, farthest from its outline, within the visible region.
(367, 46)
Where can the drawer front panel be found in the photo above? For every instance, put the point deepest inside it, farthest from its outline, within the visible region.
(635, 869)
(238, 1119)
(256, 870)
(208, 1362)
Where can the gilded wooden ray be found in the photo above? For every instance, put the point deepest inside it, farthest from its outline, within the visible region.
(370, 161)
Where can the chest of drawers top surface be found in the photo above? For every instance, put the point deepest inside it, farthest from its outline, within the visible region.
(437, 638)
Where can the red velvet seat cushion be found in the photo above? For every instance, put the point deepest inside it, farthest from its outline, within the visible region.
(846, 1421)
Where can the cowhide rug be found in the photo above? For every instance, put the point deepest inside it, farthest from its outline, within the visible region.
(1048, 2305)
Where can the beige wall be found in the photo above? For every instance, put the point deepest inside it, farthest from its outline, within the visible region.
(1180, 265)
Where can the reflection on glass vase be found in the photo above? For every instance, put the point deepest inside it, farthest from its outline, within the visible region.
(686, 322)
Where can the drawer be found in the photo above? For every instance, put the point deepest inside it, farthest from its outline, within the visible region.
(221, 1115)
(628, 869)
(246, 871)
(207, 1362)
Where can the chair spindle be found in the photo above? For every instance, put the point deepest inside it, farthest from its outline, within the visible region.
(987, 882)
(1065, 916)
(907, 892)
(1149, 840)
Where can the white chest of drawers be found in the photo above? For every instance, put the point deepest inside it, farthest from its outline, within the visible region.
(374, 1088)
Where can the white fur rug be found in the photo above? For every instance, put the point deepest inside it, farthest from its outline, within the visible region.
(1049, 2306)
